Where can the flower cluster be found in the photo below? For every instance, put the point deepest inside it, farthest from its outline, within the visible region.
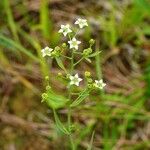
(97, 84)
(65, 57)
(65, 30)
(73, 45)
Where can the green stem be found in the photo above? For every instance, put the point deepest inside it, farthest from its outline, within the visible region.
(98, 63)
(72, 62)
(69, 108)
(78, 61)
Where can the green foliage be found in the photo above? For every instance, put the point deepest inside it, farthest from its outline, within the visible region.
(8, 43)
(59, 124)
(54, 100)
(116, 116)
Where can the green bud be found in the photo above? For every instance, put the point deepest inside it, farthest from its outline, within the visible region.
(92, 41)
(48, 87)
(44, 96)
(53, 53)
(68, 76)
(59, 74)
(90, 86)
(89, 50)
(85, 52)
(64, 45)
(57, 48)
(89, 80)
(87, 74)
(47, 78)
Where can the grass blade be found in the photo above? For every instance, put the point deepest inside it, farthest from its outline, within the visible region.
(81, 97)
(45, 23)
(91, 141)
(59, 124)
(8, 43)
(60, 64)
(10, 19)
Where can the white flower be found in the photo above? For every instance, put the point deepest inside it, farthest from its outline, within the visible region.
(74, 43)
(65, 29)
(81, 22)
(99, 84)
(75, 80)
(46, 51)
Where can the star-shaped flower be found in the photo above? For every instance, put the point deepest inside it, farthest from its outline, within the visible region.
(75, 80)
(46, 51)
(65, 29)
(99, 84)
(74, 43)
(81, 22)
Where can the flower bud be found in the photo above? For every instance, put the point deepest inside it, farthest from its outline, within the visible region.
(44, 96)
(53, 53)
(57, 49)
(59, 74)
(48, 87)
(87, 51)
(87, 74)
(92, 41)
(89, 80)
(47, 78)
(68, 76)
(90, 86)
(64, 45)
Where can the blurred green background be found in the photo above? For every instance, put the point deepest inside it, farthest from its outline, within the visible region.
(120, 117)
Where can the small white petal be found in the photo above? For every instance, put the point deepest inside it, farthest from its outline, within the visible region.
(71, 77)
(65, 29)
(77, 83)
(76, 75)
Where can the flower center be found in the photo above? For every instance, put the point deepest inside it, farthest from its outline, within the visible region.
(74, 43)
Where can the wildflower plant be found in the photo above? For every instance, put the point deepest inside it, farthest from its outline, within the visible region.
(73, 78)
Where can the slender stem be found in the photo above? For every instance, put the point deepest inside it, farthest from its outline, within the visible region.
(79, 53)
(98, 63)
(66, 57)
(78, 61)
(69, 108)
(72, 62)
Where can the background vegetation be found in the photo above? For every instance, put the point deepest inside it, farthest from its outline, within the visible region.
(120, 116)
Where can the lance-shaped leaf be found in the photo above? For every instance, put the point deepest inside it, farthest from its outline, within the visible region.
(59, 124)
(95, 54)
(60, 64)
(55, 101)
(81, 97)
(10, 44)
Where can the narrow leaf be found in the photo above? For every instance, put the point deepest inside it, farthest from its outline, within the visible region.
(81, 97)
(55, 101)
(60, 64)
(91, 141)
(8, 43)
(95, 54)
(59, 124)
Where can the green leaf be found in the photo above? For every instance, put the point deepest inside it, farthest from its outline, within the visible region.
(55, 101)
(59, 124)
(81, 97)
(146, 30)
(95, 54)
(8, 43)
(60, 64)
(88, 60)
(10, 19)
(91, 141)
